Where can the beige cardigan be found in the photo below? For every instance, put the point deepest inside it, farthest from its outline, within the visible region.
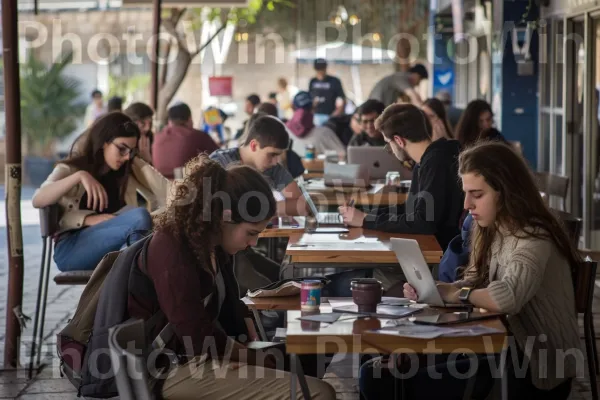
(531, 282)
(145, 180)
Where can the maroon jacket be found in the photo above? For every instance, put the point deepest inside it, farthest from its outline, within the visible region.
(178, 144)
(176, 283)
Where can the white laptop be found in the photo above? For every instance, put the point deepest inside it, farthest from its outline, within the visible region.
(417, 272)
(378, 161)
(323, 218)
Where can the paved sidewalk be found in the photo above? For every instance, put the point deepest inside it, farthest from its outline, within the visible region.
(62, 300)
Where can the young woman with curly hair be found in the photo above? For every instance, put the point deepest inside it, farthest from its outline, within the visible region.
(213, 214)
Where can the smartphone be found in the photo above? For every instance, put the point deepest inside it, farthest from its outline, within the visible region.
(460, 317)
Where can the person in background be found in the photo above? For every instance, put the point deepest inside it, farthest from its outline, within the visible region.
(179, 142)
(435, 111)
(325, 91)
(368, 113)
(435, 195)
(387, 89)
(115, 103)
(272, 98)
(285, 96)
(476, 118)
(250, 105)
(521, 265)
(452, 112)
(402, 98)
(95, 109)
(213, 124)
(303, 131)
(345, 126)
(142, 115)
(93, 188)
(289, 159)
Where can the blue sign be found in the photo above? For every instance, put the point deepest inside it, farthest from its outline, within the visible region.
(444, 78)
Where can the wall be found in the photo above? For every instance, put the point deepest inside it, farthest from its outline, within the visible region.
(519, 95)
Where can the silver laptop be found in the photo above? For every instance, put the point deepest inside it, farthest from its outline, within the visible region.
(323, 218)
(346, 175)
(378, 160)
(417, 272)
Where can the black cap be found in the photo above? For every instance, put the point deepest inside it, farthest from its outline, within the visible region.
(320, 64)
(420, 70)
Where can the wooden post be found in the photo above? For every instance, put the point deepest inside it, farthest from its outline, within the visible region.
(156, 16)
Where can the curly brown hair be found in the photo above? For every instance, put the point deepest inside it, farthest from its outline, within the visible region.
(195, 212)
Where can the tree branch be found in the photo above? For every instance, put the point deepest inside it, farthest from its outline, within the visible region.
(210, 39)
(170, 26)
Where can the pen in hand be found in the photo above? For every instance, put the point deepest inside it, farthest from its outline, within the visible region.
(351, 203)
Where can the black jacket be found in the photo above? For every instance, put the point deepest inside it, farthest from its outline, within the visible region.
(435, 201)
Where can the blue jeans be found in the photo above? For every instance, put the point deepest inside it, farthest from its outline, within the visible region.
(320, 119)
(83, 249)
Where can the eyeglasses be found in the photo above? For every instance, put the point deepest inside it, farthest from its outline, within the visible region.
(125, 151)
(368, 121)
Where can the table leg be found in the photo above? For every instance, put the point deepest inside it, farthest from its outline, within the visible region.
(504, 374)
(298, 372)
(261, 328)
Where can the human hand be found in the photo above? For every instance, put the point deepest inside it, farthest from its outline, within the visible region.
(410, 292)
(449, 293)
(145, 148)
(97, 199)
(352, 216)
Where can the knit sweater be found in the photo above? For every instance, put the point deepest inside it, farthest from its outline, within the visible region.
(531, 282)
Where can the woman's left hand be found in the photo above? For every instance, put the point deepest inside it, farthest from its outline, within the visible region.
(449, 293)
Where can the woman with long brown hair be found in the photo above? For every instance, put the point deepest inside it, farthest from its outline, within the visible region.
(92, 189)
(477, 117)
(214, 214)
(436, 112)
(521, 265)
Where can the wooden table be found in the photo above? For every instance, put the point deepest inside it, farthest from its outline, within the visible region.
(377, 194)
(315, 165)
(355, 336)
(358, 246)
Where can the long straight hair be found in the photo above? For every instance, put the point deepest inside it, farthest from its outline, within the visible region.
(520, 208)
(89, 154)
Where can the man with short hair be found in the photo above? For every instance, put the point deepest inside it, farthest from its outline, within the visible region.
(327, 93)
(179, 142)
(368, 113)
(115, 103)
(142, 115)
(435, 201)
(266, 139)
(250, 105)
(387, 89)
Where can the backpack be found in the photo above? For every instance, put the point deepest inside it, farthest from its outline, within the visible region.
(103, 305)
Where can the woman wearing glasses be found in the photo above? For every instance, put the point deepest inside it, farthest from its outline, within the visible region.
(96, 191)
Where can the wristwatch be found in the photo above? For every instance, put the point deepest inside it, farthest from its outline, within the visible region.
(464, 293)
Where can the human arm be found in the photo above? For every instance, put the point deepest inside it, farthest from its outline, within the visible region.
(294, 203)
(522, 278)
(340, 100)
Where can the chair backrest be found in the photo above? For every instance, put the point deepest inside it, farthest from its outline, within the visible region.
(584, 279)
(552, 185)
(572, 224)
(49, 219)
(127, 342)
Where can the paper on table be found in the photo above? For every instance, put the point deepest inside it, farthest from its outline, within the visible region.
(328, 318)
(385, 301)
(431, 332)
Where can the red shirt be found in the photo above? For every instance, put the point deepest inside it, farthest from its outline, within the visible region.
(176, 145)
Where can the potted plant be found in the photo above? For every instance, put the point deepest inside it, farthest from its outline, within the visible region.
(50, 110)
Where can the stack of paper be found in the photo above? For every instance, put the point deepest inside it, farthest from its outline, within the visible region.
(431, 332)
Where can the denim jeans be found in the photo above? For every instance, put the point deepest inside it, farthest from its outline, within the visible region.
(83, 249)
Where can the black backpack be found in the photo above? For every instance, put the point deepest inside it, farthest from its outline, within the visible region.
(103, 305)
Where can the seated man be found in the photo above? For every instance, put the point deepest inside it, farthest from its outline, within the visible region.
(264, 142)
(368, 112)
(179, 142)
(435, 201)
(262, 145)
(142, 115)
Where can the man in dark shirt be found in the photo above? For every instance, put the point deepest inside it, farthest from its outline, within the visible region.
(435, 202)
(325, 90)
(179, 142)
(142, 115)
(369, 111)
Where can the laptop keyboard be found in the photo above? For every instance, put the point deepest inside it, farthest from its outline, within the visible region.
(329, 218)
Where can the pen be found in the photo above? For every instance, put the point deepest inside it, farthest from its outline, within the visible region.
(351, 203)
